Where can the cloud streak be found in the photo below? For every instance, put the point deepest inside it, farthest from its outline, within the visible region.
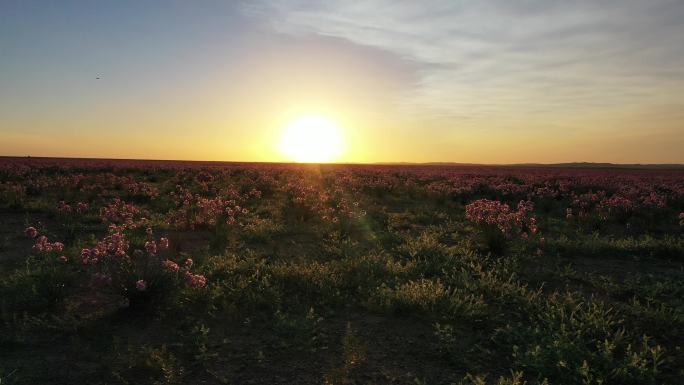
(502, 59)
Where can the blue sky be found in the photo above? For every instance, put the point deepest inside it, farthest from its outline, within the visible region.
(471, 81)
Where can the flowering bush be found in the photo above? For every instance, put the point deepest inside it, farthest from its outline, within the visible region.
(498, 223)
(194, 210)
(43, 246)
(121, 213)
(500, 215)
(140, 275)
(221, 214)
(46, 265)
(333, 205)
(67, 209)
(617, 206)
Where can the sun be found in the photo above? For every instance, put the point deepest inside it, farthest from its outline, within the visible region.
(312, 139)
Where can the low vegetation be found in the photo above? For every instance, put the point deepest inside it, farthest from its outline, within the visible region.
(117, 272)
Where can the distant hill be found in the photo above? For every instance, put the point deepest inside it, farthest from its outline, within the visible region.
(667, 166)
(606, 165)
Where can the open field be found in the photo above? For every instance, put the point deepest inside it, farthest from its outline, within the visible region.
(142, 272)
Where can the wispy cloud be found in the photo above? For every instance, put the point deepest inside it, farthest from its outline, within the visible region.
(500, 57)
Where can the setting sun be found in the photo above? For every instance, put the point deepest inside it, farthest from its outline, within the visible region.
(312, 139)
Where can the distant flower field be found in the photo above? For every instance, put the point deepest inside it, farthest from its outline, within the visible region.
(199, 272)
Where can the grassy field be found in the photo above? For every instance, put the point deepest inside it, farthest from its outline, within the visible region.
(125, 272)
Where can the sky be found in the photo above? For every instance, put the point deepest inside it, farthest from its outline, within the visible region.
(489, 81)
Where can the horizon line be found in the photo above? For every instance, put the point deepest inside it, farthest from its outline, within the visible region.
(381, 163)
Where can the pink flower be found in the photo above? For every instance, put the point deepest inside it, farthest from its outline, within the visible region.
(39, 246)
(170, 266)
(31, 232)
(62, 207)
(163, 243)
(196, 281)
(85, 256)
(151, 247)
(188, 263)
(141, 285)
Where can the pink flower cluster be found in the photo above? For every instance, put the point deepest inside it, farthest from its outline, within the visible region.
(141, 285)
(196, 281)
(616, 205)
(582, 204)
(192, 280)
(114, 245)
(64, 208)
(141, 189)
(120, 212)
(151, 247)
(331, 204)
(653, 200)
(163, 243)
(170, 266)
(499, 215)
(112, 260)
(31, 232)
(194, 210)
(42, 244)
